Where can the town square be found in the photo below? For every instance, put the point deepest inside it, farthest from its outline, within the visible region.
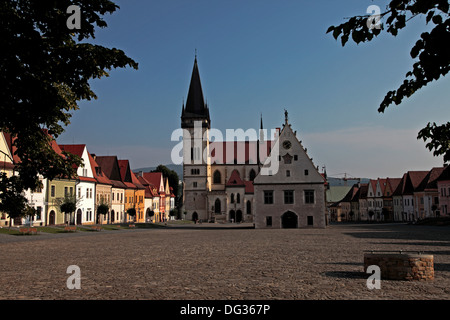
(212, 159)
(219, 262)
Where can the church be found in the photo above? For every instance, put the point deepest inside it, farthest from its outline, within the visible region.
(269, 181)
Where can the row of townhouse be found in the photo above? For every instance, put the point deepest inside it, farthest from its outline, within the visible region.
(100, 180)
(416, 195)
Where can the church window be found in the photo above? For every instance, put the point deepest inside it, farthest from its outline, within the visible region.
(238, 198)
(268, 197)
(217, 177)
(252, 175)
(232, 198)
(249, 207)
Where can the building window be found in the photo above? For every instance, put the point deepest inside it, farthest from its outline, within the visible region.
(238, 198)
(268, 197)
(217, 179)
(249, 207)
(310, 220)
(268, 221)
(306, 172)
(66, 193)
(232, 198)
(52, 191)
(309, 196)
(38, 213)
(289, 196)
(252, 175)
(195, 184)
(195, 171)
(295, 157)
(288, 173)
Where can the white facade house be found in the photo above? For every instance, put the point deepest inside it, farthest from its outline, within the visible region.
(84, 188)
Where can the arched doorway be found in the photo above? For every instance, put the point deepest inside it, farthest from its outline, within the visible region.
(79, 217)
(289, 220)
(51, 218)
(232, 216)
(238, 216)
(217, 207)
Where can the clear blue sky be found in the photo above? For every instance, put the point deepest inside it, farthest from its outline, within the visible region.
(260, 56)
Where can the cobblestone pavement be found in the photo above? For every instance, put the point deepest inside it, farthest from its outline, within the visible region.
(204, 263)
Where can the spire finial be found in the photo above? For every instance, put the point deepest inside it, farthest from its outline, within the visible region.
(195, 53)
(286, 116)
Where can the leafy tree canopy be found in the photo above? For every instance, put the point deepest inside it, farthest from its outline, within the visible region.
(431, 54)
(171, 175)
(46, 68)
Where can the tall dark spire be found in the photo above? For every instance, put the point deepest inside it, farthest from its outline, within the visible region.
(195, 106)
(195, 102)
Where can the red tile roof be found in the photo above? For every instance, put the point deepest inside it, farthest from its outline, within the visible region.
(249, 187)
(239, 152)
(98, 173)
(154, 178)
(235, 180)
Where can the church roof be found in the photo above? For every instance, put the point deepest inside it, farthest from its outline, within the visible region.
(238, 152)
(195, 103)
(235, 180)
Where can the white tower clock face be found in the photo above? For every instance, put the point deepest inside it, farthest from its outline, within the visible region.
(287, 144)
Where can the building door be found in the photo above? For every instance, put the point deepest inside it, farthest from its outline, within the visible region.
(113, 216)
(310, 220)
(238, 216)
(232, 216)
(51, 218)
(195, 216)
(79, 216)
(289, 220)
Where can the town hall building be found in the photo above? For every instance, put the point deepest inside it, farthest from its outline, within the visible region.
(270, 182)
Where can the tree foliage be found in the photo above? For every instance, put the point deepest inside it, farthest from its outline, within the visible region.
(12, 201)
(431, 54)
(131, 212)
(46, 68)
(171, 175)
(102, 208)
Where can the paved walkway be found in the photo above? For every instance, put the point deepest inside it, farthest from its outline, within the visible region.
(219, 262)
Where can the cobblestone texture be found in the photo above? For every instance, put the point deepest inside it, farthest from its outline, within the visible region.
(206, 262)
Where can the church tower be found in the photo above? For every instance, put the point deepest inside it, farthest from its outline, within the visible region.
(195, 122)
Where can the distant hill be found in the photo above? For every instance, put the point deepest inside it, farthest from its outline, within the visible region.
(175, 167)
(348, 182)
(178, 168)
